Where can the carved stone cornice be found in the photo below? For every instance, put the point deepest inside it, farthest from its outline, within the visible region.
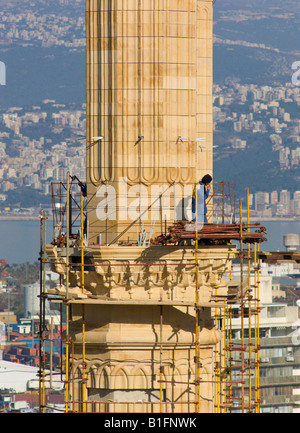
(140, 273)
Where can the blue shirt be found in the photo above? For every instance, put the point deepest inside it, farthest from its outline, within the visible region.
(202, 195)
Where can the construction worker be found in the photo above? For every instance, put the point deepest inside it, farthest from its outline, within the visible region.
(202, 195)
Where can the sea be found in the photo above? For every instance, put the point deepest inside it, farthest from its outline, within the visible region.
(20, 240)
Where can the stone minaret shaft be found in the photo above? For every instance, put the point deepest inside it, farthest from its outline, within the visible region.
(149, 95)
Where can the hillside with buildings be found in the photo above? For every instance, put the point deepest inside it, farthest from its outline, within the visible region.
(38, 145)
(257, 143)
(256, 106)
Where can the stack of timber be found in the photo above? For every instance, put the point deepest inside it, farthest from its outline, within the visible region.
(183, 230)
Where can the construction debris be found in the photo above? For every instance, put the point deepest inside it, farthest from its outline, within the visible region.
(184, 230)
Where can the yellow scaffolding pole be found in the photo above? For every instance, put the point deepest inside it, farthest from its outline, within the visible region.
(228, 354)
(161, 360)
(67, 295)
(197, 342)
(230, 359)
(43, 295)
(83, 310)
(249, 306)
(227, 365)
(42, 313)
(215, 369)
(225, 354)
(217, 353)
(256, 317)
(258, 311)
(242, 309)
(256, 328)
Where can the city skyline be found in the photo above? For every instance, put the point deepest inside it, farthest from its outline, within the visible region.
(59, 42)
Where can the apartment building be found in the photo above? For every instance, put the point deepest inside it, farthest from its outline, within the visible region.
(279, 338)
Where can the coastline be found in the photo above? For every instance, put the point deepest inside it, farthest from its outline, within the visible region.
(35, 217)
(21, 235)
(277, 219)
(19, 218)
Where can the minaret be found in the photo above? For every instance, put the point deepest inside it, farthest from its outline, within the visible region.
(149, 95)
(142, 327)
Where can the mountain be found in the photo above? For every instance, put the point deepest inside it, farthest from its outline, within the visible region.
(257, 41)
(43, 49)
(255, 45)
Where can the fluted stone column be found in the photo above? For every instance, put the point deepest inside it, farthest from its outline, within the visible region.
(149, 95)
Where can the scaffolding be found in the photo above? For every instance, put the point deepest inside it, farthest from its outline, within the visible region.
(236, 363)
(242, 355)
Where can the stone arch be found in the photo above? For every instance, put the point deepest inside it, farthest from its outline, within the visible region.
(103, 377)
(91, 374)
(78, 372)
(184, 369)
(119, 378)
(203, 11)
(91, 378)
(139, 378)
(77, 395)
(181, 385)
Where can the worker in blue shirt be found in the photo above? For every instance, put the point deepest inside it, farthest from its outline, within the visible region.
(202, 195)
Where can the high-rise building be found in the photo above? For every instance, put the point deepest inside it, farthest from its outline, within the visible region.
(285, 197)
(273, 197)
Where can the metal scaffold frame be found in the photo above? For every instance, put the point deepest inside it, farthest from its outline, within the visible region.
(241, 395)
(41, 371)
(231, 383)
